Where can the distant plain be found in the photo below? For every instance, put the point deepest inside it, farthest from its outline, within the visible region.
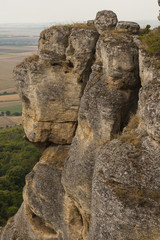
(16, 43)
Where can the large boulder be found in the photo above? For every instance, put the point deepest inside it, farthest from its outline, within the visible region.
(105, 20)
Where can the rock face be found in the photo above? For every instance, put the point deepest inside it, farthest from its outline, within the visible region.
(91, 98)
(59, 72)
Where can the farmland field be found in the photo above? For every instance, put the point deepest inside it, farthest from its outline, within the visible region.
(8, 60)
(12, 107)
(9, 104)
(10, 121)
(16, 43)
(8, 98)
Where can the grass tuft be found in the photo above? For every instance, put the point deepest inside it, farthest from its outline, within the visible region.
(73, 26)
(130, 135)
(133, 196)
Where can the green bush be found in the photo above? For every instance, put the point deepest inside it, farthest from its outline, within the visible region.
(151, 42)
(8, 113)
(16, 175)
(11, 211)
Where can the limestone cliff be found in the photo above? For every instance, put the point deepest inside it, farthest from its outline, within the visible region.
(91, 104)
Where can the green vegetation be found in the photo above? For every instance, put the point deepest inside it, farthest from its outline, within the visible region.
(12, 110)
(151, 41)
(17, 158)
(145, 30)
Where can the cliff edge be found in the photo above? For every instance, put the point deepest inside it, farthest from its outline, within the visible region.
(91, 103)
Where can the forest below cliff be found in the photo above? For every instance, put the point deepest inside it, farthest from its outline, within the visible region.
(17, 158)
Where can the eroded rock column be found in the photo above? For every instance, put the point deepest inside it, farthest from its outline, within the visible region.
(125, 187)
(110, 96)
(51, 85)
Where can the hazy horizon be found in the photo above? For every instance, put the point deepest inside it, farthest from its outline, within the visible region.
(62, 11)
(41, 25)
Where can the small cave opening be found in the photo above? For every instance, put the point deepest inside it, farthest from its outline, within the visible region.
(70, 64)
(129, 110)
(55, 64)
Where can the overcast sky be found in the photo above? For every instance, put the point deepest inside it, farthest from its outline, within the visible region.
(65, 11)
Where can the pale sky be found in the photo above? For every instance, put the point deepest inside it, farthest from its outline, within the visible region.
(65, 11)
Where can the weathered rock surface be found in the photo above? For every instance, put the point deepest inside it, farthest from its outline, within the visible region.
(119, 56)
(148, 66)
(105, 20)
(125, 201)
(51, 90)
(130, 27)
(149, 109)
(104, 111)
(99, 174)
(53, 43)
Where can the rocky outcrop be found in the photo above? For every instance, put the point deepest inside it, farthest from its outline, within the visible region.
(91, 103)
(52, 83)
(105, 20)
(130, 27)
